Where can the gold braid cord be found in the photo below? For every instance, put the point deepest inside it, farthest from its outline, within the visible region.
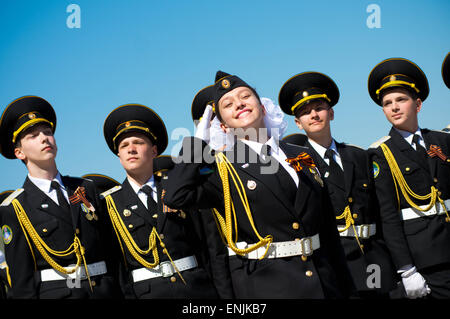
(123, 235)
(230, 221)
(46, 252)
(347, 215)
(400, 182)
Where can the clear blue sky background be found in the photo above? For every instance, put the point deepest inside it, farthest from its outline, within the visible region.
(160, 53)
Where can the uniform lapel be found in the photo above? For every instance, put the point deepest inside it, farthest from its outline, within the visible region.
(134, 204)
(432, 161)
(348, 167)
(407, 149)
(162, 215)
(252, 165)
(75, 209)
(39, 201)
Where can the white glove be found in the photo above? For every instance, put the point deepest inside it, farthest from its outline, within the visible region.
(415, 285)
(204, 124)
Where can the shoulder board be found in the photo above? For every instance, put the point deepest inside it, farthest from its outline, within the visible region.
(380, 141)
(445, 131)
(352, 145)
(110, 191)
(11, 197)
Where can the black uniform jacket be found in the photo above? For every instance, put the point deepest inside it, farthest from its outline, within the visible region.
(358, 191)
(57, 229)
(280, 209)
(423, 241)
(179, 236)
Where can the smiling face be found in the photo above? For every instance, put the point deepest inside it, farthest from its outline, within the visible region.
(240, 108)
(37, 146)
(136, 153)
(401, 109)
(315, 117)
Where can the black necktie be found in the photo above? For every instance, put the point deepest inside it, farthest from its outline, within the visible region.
(61, 199)
(336, 172)
(419, 148)
(152, 206)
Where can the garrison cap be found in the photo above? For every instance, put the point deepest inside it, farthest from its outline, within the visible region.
(19, 115)
(225, 83)
(305, 87)
(203, 98)
(296, 139)
(102, 182)
(134, 118)
(446, 70)
(397, 72)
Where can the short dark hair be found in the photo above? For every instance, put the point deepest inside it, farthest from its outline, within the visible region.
(217, 112)
(410, 92)
(297, 111)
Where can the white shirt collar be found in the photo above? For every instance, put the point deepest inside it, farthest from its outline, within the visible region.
(257, 147)
(408, 136)
(45, 184)
(150, 182)
(321, 150)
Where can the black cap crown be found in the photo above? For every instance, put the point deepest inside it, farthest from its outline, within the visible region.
(20, 115)
(397, 72)
(305, 87)
(134, 118)
(446, 70)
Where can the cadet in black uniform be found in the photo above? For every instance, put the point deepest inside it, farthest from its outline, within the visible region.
(216, 246)
(159, 246)
(347, 172)
(279, 226)
(412, 178)
(53, 230)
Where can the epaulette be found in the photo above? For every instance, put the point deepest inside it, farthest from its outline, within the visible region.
(11, 197)
(380, 141)
(110, 191)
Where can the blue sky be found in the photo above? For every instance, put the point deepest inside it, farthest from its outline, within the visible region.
(160, 53)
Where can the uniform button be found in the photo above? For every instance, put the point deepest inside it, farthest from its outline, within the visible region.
(407, 169)
(93, 283)
(130, 226)
(448, 160)
(435, 180)
(173, 279)
(161, 236)
(304, 258)
(350, 199)
(365, 185)
(77, 231)
(309, 273)
(439, 193)
(295, 226)
(355, 216)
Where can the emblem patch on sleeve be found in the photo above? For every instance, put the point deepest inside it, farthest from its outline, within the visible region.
(7, 234)
(376, 169)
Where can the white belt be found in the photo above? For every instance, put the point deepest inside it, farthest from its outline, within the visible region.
(164, 269)
(363, 231)
(304, 246)
(94, 269)
(410, 213)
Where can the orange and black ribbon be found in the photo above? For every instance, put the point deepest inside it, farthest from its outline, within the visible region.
(303, 159)
(80, 196)
(436, 151)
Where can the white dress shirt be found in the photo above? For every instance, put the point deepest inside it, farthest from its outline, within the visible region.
(45, 186)
(142, 196)
(321, 151)
(408, 136)
(276, 153)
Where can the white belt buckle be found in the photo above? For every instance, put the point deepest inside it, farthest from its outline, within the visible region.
(364, 231)
(166, 269)
(306, 245)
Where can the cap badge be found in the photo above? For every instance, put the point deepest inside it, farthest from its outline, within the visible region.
(392, 78)
(127, 124)
(31, 116)
(305, 93)
(225, 84)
